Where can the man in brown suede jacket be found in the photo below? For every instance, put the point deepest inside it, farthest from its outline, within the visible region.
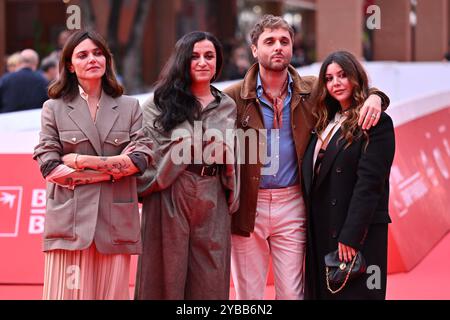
(274, 101)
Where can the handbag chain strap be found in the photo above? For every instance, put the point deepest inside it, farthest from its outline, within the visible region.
(346, 277)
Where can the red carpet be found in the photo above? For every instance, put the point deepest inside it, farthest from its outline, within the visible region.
(428, 280)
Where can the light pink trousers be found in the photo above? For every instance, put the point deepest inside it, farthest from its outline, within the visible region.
(86, 275)
(280, 234)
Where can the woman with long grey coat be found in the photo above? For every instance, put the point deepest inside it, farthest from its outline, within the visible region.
(189, 194)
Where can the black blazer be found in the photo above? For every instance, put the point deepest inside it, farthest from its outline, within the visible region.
(353, 183)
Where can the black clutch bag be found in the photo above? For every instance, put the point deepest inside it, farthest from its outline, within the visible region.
(338, 273)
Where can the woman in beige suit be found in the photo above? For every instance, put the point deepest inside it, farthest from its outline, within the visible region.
(91, 148)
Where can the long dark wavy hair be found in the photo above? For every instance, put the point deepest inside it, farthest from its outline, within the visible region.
(325, 106)
(66, 86)
(173, 96)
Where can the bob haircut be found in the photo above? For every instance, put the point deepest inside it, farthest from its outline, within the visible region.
(66, 87)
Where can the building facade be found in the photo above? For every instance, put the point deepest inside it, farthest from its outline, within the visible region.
(400, 30)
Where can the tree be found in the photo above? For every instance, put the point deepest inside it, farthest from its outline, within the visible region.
(128, 56)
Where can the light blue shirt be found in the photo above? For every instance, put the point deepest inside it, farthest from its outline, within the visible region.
(287, 174)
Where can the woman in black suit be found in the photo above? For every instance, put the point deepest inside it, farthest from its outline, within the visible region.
(346, 183)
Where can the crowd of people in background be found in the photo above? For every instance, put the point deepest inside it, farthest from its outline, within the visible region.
(23, 87)
(25, 82)
(25, 67)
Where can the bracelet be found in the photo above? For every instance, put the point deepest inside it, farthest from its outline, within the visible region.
(76, 162)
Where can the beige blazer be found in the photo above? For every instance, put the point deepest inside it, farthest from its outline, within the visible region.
(106, 212)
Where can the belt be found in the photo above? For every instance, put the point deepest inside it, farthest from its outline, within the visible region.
(203, 170)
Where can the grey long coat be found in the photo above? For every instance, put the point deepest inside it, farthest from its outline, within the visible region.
(105, 212)
(165, 172)
(186, 217)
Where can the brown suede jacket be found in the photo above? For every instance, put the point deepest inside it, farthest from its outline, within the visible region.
(249, 116)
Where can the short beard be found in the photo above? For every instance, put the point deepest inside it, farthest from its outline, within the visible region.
(278, 68)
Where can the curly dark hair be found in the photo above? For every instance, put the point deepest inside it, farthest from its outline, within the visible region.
(173, 96)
